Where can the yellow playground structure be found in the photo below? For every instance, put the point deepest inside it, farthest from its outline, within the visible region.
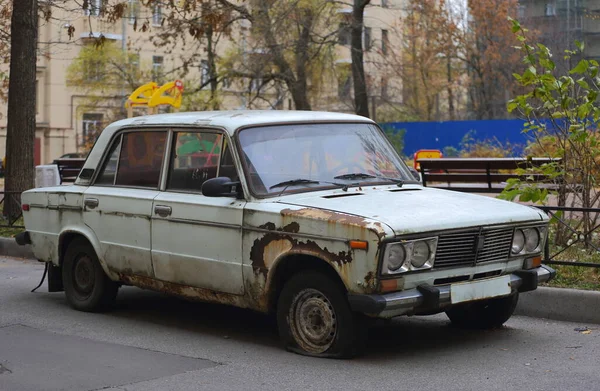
(150, 95)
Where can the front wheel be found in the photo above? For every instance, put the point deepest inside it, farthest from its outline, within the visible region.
(87, 287)
(485, 314)
(314, 318)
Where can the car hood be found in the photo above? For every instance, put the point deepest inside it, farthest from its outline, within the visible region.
(412, 209)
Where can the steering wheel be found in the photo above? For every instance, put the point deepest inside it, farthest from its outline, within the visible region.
(350, 166)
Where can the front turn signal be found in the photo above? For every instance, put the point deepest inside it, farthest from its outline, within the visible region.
(532, 263)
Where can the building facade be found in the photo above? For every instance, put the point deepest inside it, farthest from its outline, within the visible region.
(67, 115)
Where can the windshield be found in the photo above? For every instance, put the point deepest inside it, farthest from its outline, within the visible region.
(312, 156)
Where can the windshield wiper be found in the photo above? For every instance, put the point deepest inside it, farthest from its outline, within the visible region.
(302, 181)
(362, 175)
(292, 182)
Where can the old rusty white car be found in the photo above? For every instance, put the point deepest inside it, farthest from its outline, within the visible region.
(309, 215)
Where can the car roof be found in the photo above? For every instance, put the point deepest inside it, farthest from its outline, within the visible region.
(230, 121)
(234, 119)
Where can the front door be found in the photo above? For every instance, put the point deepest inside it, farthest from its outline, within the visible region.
(118, 206)
(196, 240)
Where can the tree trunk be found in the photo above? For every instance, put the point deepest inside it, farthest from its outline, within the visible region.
(449, 89)
(212, 68)
(20, 135)
(361, 99)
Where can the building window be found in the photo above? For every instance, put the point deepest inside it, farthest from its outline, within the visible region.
(256, 83)
(385, 4)
(133, 10)
(384, 88)
(384, 42)
(344, 34)
(226, 82)
(93, 7)
(157, 15)
(520, 12)
(367, 38)
(204, 73)
(550, 9)
(93, 70)
(157, 68)
(91, 128)
(344, 81)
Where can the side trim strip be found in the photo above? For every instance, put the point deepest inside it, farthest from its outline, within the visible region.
(248, 228)
(293, 234)
(199, 222)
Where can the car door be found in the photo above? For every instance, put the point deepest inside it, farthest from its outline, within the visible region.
(118, 206)
(196, 240)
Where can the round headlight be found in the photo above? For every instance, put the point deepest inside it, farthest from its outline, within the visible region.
(518, 242)
(420, 254)
(396, 257)
(532, 239)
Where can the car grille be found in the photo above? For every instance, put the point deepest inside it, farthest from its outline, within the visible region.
(460, 248)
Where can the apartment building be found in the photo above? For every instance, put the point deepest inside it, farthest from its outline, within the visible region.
(561, 22)
(65, 116)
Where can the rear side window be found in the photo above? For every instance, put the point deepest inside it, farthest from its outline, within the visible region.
(141, 158)
(135, 160)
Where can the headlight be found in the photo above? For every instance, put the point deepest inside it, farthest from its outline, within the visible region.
(518, 241)
(396, 256)
(529, 240)
(532, 239)
(409, 255)
(420, 254)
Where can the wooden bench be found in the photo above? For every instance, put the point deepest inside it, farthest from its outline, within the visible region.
(69, 168)
(478, 175)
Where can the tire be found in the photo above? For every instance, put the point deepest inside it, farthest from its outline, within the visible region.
(313, 300)
(486, 314)
(87, 287)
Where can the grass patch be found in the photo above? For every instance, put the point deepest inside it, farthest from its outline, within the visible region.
(576, 277)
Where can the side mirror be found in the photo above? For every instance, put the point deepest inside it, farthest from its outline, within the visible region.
(220, 187)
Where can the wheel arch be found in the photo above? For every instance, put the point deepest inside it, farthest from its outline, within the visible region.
(71, 233)
(292, 263)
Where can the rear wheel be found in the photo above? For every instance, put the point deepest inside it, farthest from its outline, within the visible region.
(485, 314)
(314, 318)
(87, 287)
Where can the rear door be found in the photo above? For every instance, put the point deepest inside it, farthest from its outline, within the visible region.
(118, 206)
(196, 240)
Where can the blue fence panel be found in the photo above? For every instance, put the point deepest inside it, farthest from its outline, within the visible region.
(438, 135)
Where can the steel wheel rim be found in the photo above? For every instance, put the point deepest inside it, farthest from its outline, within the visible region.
(84, 275)
(313, 321)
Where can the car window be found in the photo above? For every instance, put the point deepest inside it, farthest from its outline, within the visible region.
(107, 174)
(195, 158)
(140, 160)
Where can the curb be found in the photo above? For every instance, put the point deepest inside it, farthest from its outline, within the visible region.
(570, 305)
(10, 248)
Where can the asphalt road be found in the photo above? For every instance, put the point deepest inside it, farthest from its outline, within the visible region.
(153, 342)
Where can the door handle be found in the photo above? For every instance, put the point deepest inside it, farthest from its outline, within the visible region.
(162, 211)
(91, 202)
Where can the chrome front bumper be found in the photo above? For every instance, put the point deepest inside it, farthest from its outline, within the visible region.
(431, 299)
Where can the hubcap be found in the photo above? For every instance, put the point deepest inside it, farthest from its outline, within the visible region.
(312, 320)
(84, 276)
